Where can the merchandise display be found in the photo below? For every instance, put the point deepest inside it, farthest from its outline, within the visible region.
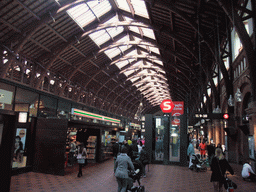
(91, 148)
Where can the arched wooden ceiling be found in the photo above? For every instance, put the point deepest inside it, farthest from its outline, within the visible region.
(41, 36)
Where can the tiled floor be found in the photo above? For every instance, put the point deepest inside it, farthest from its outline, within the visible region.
(100, 178)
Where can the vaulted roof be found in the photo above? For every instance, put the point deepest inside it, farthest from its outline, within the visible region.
(113, 54)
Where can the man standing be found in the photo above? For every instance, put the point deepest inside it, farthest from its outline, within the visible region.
(190, 152)
(202, 148)
(116, 150)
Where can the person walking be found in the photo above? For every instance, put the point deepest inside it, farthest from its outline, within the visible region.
(123, 164)
(190, 152)
(202, 148)
(219, 167)
(81, 158)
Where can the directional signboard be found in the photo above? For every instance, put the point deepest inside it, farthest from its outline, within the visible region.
(212, 116)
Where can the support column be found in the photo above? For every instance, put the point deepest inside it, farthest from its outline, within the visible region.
(217, 132)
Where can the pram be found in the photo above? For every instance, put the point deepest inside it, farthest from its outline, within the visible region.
(198, 164)
(135, 176)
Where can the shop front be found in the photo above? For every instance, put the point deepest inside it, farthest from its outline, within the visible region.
(96, 138)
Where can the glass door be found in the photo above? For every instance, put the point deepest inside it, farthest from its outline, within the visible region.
(159, 138)
(174, 143)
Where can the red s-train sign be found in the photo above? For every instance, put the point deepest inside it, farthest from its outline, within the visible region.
(167, 106)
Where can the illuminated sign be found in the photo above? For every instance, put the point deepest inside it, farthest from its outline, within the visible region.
(167, 106)
(212, 116)
(90, 115)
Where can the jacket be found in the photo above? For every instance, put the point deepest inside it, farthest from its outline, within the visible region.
(116, 149)
(246, 170)
(143, 157)
(123, 163)
(219, 168)
(190, 150)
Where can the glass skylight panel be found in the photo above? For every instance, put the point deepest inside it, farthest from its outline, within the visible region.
(112, 52)
(121, 64)
(114, 31)
(134, 29)
(155, 50)
(140, 8)
(129, 72)
(100, 37)
(125, 47)
(122, 4)
(148, 33)
(134, 79)
(81, 14)
(99, 9)
(158, 61)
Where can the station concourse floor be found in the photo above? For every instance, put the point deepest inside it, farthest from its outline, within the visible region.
(100, 178)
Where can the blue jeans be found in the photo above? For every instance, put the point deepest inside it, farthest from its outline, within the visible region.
(122, 184)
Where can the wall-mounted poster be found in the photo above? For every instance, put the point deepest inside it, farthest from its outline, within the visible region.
(19, 160)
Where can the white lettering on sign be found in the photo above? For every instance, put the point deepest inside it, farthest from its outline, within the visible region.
(167, 105)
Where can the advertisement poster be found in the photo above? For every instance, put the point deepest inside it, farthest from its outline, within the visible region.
(177, 111)
(19, 160)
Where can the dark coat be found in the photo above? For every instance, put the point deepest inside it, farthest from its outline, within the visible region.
(211, 150)
(144, 159)
(116, 150)
(219, 168)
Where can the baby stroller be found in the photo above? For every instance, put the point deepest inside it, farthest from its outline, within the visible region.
(133, 177)
(198, 164)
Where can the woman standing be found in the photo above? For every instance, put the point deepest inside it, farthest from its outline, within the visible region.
(81, 157)
(219, 167)
(123, 163)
